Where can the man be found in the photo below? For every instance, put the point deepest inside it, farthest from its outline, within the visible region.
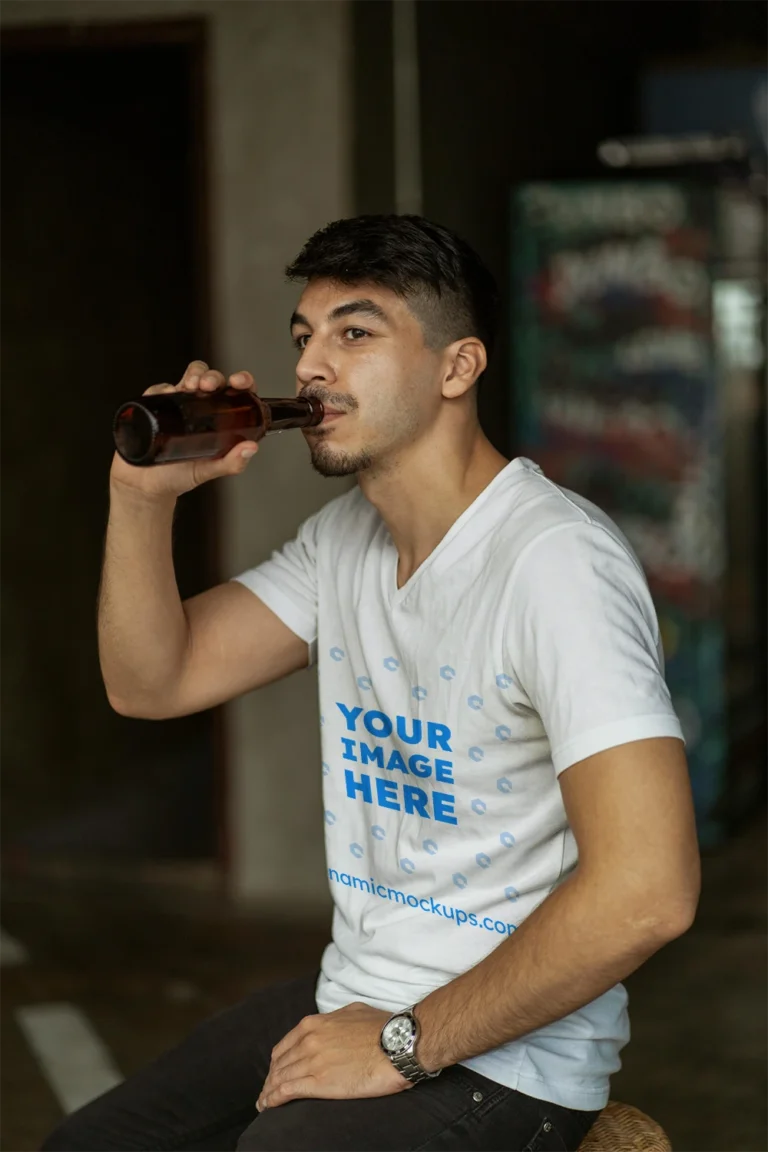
(509, 821)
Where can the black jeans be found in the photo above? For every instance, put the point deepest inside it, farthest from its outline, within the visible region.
(201, 1097)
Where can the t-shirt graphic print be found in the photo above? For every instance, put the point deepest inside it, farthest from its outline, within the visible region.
(525, 642)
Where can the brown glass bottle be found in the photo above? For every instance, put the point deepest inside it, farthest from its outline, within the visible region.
(170, 427)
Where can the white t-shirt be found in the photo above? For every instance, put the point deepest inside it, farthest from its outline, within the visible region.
(525, 642)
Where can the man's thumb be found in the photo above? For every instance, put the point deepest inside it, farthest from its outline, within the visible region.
(234, 462)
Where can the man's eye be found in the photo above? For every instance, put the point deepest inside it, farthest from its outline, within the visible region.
(300, 341)
(355, 333)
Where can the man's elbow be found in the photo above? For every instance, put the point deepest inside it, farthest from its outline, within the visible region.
(141, 710)
(679, 917)
(669, 914)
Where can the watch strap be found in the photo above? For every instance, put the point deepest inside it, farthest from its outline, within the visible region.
(409, 1067)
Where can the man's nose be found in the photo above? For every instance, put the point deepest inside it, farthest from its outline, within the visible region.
(314, 365)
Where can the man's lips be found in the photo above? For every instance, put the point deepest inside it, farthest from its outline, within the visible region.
(330, 415)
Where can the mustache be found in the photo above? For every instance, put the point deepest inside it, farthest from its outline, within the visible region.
(336, 400)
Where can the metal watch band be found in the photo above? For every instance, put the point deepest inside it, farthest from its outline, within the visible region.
(408, 1066)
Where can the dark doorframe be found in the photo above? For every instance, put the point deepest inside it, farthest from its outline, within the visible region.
(190, 35)
(373, 151)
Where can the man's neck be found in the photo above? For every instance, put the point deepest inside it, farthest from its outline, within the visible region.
(423, 493)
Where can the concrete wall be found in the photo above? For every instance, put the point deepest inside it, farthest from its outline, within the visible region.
(280, 167)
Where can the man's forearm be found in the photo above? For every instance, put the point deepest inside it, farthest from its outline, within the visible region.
(577, 944)
(142, 628)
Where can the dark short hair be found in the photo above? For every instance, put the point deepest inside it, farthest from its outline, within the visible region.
(441, 278)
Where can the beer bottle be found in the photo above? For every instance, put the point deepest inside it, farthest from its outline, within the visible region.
(173, 426)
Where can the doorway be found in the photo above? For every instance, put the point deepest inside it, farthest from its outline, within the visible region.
(103, 293)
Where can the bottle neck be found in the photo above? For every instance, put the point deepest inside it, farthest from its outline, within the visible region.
(299, 413)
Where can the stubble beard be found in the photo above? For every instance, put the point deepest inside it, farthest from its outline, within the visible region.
(330, 463)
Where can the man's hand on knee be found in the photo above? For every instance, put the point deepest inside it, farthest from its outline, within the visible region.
(333, 1056)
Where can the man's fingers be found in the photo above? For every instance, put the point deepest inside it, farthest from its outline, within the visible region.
(211, 380)
(290, 1066)
(299, 1085)
(198, 377)
(287, 1042)
(196, 369)
(291, 1038)
(242, 380)
(202, 381)
(283, 1066)
(157, 388)
(235, 461)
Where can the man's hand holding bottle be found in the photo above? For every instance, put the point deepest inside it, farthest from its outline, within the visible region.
(173, 480)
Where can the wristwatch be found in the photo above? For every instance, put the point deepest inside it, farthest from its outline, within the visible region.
(398, 1040)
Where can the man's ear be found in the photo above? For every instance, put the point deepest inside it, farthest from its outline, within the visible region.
(467, 360)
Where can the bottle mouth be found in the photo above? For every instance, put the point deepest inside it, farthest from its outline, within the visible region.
(318, 411)
(134, 431)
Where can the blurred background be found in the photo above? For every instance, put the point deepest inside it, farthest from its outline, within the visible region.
(162, 160)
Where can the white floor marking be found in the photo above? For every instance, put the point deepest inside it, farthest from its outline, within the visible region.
(75, 1062)
(12, 951)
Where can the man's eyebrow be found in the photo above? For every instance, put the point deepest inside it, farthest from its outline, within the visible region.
(297, 318)
(352, 308)
(359, 308)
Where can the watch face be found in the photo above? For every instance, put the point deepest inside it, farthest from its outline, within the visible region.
(398, 1033)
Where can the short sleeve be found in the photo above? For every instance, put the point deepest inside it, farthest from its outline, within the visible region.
(583, 640)
(287, 584)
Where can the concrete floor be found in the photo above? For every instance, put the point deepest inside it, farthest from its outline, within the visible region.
(146, 963)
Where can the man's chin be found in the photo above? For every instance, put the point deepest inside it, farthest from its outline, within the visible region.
(329, 461)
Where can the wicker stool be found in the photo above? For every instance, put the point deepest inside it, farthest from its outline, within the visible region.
(622, 1128)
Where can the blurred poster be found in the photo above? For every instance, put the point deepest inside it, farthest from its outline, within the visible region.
(616, 398)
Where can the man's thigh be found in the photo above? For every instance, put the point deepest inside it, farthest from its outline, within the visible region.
(459, 1110)
(207, 1084)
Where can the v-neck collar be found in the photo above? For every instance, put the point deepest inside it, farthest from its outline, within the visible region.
(438, 554)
